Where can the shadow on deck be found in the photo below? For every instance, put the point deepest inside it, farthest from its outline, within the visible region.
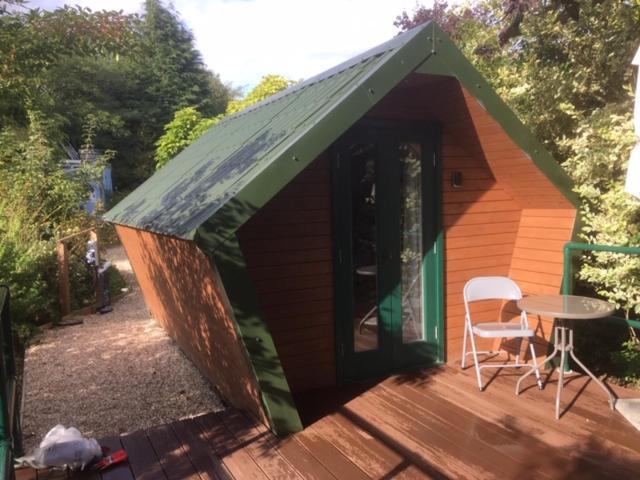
(430, 424)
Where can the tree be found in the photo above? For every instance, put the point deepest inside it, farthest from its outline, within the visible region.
(189, 124)
(33, 42)
(171, 67)
(563, 60)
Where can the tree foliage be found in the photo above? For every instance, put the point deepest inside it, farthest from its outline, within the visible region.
(75, 76)
(564, 67)
(189, 124)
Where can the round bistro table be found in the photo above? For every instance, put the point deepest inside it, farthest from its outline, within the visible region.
(566, 309)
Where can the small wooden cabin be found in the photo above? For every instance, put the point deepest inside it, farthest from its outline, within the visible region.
(325, 234)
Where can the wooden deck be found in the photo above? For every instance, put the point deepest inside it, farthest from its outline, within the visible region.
(429, 424)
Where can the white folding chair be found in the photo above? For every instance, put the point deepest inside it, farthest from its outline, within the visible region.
(495, 288)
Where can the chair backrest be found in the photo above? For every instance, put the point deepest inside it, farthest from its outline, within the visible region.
(491, 288)
(488, 288)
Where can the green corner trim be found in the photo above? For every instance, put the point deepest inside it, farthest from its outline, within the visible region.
(441, 281)
(450, 61)
(256, 337)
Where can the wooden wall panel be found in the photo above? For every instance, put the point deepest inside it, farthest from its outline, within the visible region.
(494, 224)
(481, 218)
(537, 257)
(288, 247)
(184, 293)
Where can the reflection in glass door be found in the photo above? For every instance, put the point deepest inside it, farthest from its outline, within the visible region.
(409, 156)
(388, 284)
(362, 174)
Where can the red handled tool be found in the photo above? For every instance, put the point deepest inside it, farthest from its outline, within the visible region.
(108, 461)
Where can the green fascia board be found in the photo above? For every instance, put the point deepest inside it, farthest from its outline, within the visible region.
(448, 60)
(254, 333)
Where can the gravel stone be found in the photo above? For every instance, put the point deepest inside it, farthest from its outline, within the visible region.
(114, 373)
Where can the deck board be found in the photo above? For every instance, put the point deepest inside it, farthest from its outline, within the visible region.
(207, 463)
(172, 458)
(121, 471)
(429, 424)
(142, 457)
(260, 445)
(235, 458)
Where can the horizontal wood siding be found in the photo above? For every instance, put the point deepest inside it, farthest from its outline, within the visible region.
(537, 258)
(184, 293)
(485, 230)
(480, 218)
(480, 227)
(288, 247)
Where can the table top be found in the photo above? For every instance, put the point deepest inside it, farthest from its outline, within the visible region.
(571, 307)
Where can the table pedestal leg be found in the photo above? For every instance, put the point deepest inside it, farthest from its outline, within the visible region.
(612, 399)
(548, 358)
(563, 359)
(561, 345)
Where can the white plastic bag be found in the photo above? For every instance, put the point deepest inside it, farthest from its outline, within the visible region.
(63, 447)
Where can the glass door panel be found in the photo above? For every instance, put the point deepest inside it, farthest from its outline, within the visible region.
(411, 241)
(386, 221)
(362, 174)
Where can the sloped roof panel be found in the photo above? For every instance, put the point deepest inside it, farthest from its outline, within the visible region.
(193, 186)
(218, 182)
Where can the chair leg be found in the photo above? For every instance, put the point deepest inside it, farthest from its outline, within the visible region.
(463, 363)
(535, 364)
(475, 359)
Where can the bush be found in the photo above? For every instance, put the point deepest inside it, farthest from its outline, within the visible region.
(39, 203)
(626, 363)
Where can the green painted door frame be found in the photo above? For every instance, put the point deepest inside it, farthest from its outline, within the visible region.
(392, 353)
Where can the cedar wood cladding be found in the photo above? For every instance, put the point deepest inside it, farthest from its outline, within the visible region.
(184, 293)
(288, 249)
(493, 226)
(495, 223)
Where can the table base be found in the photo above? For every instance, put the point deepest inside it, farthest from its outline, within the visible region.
(562, 331)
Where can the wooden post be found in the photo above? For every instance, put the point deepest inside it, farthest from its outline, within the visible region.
(63, 278)
(93, 236)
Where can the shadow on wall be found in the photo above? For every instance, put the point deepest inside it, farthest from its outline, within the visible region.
(186, 296)
(193, 195)
(243, 302)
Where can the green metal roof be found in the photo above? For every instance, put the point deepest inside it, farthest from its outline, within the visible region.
(216, 184)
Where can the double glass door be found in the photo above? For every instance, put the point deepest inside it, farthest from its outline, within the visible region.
(389, 288)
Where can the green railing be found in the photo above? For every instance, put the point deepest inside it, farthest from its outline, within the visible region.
(10, 435)
(592, 247)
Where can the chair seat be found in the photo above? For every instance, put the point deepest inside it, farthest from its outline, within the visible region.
(501, 329)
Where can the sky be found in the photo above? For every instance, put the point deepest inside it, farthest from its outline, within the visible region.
(243, 40)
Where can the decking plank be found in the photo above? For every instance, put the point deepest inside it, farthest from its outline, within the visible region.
(487, 438)
(429, 424)
(26, 474)
(173, 458)
(53, 474)
(576, 444)
(121, 471)
(298, 457)
(143, 460)
(428, 447)
(261, 445)
(372, 455)
(333, 460)
(234, 456)
(207, 463)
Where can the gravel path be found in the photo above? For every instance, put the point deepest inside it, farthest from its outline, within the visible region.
(114, 373)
